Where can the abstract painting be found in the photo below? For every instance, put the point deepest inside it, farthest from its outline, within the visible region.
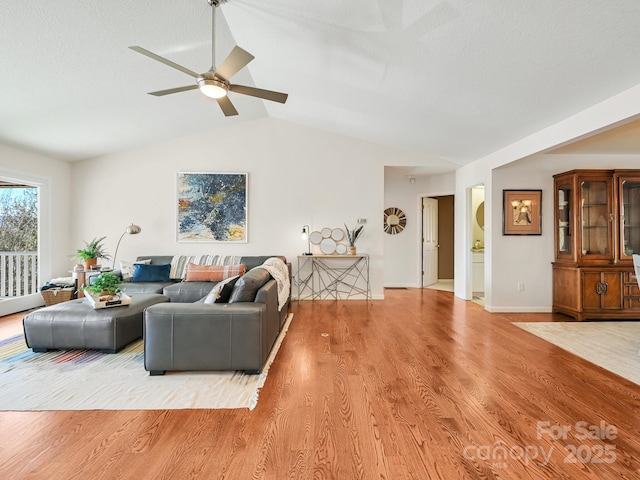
(212, 207)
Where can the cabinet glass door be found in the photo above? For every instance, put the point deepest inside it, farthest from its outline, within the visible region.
(564, 226)
(596, 218)
(630, 216)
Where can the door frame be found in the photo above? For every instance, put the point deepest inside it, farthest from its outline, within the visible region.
(26, 302)
(419, 231)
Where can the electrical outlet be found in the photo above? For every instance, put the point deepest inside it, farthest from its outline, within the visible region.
(521, 286)
(362, 221)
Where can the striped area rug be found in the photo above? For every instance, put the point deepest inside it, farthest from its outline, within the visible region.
(90, 380)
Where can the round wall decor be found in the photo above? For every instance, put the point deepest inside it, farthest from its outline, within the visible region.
(394, 220)
(315, 238)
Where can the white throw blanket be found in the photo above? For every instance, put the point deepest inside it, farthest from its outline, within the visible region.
(280, 273)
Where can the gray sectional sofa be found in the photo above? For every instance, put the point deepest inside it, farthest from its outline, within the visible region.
(188, 334)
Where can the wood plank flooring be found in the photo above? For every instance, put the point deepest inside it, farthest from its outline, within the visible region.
(419, 386)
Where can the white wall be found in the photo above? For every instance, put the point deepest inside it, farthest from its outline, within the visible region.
(466, 178)
(403, 258)
(297, 176)
(522, 258)
(615, 110)
(52, 177)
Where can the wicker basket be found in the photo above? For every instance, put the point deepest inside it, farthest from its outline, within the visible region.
(58, 295)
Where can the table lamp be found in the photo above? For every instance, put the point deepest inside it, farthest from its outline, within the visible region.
(305, 236)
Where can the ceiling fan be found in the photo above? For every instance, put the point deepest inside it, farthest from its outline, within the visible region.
(215, 83)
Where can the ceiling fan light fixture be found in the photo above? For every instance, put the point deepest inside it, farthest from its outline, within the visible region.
(212, 88)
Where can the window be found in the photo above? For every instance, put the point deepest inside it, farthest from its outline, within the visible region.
(18, 239)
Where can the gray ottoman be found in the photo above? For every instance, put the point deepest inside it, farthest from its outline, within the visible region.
(77, 325)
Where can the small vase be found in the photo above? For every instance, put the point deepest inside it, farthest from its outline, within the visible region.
(351, 249)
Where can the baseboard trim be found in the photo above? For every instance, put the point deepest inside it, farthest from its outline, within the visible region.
(359, 297)
(12, 305)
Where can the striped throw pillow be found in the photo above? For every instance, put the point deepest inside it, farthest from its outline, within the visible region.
(212, 273)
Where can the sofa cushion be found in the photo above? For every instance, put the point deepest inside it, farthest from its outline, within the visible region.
(248, 285)
(131, 288)
(187, 292)
(212, 273)
(221, 293)
(151, 273)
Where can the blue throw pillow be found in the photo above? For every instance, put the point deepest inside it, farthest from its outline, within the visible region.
(151, 273)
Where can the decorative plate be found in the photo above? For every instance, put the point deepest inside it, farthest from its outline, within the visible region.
(394, 220)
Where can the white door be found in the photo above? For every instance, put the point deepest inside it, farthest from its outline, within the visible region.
(429, 241)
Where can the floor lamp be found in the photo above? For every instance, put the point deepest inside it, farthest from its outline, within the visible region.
(131, 230)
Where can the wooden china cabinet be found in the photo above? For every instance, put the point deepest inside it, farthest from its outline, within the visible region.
(597, 230)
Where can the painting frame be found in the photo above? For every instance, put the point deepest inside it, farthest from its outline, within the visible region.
(212, 207)
(522, 212)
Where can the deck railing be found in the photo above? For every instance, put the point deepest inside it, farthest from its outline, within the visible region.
(18, 273)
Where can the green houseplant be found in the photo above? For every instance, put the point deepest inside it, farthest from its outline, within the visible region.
(352, 237)
(91, 252)
(105, 284)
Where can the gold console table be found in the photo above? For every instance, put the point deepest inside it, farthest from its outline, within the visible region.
(333, 276)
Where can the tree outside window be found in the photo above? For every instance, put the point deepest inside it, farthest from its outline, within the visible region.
(18, 233)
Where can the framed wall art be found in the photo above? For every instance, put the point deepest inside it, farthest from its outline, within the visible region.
(212, 207)
(522, 212)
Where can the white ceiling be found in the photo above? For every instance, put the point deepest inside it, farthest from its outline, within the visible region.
(454, 79)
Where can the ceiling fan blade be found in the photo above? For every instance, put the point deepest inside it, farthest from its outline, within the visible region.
(235, 61)
(260, 93)
(149, 54)
(169, 91)
(227, 107)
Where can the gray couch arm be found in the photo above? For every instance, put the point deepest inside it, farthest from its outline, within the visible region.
(197, 336)
(224, 336)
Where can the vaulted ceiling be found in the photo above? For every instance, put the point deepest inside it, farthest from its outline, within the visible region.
(454, 80)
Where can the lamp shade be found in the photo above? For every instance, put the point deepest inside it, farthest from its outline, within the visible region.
(133, 229)
(306, 236)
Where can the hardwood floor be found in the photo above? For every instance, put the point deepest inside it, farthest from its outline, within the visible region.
(11, 325)
(419, 386)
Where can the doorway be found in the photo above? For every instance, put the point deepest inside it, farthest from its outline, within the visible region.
(477, 244)
(21, 246)
(437, 242)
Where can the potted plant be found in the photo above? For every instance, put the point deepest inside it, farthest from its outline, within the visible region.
(91, 252)
(106, 284)
(352, 237)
